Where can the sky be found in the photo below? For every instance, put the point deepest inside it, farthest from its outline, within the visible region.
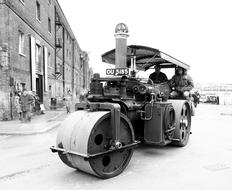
(197, 32)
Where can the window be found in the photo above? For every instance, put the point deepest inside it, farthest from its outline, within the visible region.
(49, 60)
(50, 90)
(49, 25)
(22, 1)
(38, 16)
(21, 42)
(38, 59)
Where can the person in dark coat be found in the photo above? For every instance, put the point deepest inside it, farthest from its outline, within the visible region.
(158, 76)
(26, 100)
(37, 105)
(181, 84)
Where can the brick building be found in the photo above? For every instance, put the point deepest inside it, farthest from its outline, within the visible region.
(39, 52)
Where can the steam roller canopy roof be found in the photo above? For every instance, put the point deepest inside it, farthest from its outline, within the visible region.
(146, 57)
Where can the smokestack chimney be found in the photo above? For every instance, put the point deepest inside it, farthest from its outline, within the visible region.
(121, 35)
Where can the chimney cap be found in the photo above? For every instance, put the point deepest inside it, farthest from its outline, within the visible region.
(121, 28)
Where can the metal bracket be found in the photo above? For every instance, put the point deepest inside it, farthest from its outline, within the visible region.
(89, 156)
(153, 97)
(115, 110)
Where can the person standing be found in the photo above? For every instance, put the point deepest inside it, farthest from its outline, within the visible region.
(33, 108)
(83, 96)
(26, 101)
(37, 105)
(18, 105)
(67, 100)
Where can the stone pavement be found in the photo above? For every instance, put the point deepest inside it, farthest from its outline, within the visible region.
(39, 124)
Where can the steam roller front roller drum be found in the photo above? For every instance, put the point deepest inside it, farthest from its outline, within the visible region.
(183, 122)
(88, 132)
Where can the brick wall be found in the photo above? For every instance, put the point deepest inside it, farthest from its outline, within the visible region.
(16, 16)
(4, 66)
(27, 11)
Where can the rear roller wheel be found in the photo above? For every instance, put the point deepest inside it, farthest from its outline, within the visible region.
(90, 133)
(183, 123)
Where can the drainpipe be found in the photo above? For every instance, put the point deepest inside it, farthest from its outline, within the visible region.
(63, 61)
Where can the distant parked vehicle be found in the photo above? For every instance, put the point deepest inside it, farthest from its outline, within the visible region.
(203, 98)
(213, 99)
(209, 98)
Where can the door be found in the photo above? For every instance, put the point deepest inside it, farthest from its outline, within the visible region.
(39, 87)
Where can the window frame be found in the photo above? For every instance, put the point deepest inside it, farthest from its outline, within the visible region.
(38, 11)
(22, 1)
(49, 55)
(49, 25)
(38, 58)
(21, 40)
(67, 37)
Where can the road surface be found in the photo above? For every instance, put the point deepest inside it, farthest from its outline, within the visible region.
(205, 163)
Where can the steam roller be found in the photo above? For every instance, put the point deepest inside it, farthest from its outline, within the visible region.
(122, 111)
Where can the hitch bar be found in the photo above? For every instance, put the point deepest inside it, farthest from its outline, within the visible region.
(89, 156)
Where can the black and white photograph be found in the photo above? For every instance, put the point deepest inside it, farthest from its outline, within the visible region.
(115, 95)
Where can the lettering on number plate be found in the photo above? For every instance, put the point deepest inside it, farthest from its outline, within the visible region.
(117, 72)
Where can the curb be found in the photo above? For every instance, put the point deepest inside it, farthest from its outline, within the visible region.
(41, 131)
(53, 118)
(38, 131)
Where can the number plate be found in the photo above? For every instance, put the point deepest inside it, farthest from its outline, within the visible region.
(117, 72)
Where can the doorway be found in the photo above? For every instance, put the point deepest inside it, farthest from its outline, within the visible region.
(39, 87)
